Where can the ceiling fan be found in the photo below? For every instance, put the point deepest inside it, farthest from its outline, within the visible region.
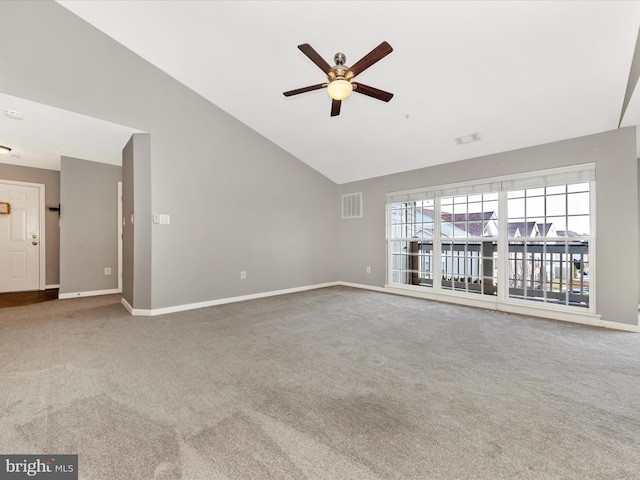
(340, 75)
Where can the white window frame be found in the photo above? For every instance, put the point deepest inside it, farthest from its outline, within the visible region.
(584, 173)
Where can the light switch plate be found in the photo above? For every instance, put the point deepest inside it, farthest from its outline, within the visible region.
(162, 219)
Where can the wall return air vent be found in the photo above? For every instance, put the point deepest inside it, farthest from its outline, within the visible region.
(352, 205)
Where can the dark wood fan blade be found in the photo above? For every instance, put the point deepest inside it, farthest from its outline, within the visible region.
(315, 57)
(335, 107)
(370, 58)
(372, 92)
(310, 88)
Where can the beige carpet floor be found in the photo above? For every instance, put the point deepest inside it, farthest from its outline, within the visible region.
(336, 383)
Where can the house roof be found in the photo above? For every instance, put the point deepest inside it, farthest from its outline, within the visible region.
(473, 223)
(567, 233)
(522, 229)
(544, 228)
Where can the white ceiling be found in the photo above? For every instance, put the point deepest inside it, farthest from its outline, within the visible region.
(45, 133)
(517, 73)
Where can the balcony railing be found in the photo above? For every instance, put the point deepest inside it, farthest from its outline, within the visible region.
(550, 271)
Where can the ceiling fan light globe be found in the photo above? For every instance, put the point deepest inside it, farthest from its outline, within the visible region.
(339, 89)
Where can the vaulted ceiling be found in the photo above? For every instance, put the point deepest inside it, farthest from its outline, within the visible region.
(516, 73)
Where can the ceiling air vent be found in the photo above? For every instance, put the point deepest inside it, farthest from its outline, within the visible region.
(352, 205)
(474, 137)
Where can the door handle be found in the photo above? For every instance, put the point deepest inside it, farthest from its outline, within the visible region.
(34, 243)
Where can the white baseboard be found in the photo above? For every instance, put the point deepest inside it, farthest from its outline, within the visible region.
(363, 286)
(50, 287)
(127, 306)
(578, 318)
(625, 327)
(581, 318)
(211, 303)
(63, 296)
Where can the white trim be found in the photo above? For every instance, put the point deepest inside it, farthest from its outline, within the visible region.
(573, 316)
(434, 189)
(387, 238)
(593, 258)
(64, 296)
(437, 252)
(127, 306)
(43, 237)
(503, 249)
(362, 286)
(50, 287)
(620, 326)
(528, 310)
(521, 307)
(221, 301)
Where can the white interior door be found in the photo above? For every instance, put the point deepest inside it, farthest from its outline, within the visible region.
(20, 238)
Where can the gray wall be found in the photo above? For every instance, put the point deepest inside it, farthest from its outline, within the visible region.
(51, 181)
(88, 225)
(136, 163)
(128, 228)
(362, 241)
(237, 201)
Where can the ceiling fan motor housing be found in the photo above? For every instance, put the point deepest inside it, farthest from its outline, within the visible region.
(339, 70)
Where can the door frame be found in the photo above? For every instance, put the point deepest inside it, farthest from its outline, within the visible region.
(41, 228)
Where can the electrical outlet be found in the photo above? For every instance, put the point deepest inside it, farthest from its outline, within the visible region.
(107, 270)
(243, 275)
(368, 269)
